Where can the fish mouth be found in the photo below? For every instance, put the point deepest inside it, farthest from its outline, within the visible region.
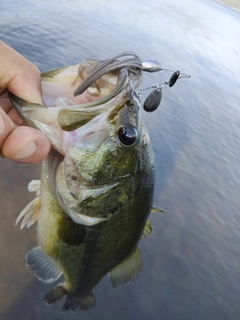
(133, 64)
(127, 68)
(75, 95)
(72, 118)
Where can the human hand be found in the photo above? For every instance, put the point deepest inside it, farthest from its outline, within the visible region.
(18, 75)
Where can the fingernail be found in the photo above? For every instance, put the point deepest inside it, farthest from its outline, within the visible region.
(26, 151)
(2, 125)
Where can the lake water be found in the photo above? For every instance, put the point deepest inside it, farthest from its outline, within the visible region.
(192, 262)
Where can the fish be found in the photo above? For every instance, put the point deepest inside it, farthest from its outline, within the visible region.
(97, 183)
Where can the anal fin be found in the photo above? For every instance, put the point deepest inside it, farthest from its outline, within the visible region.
(44, 267)
(156, 209)
(128, 269)
(148, 229)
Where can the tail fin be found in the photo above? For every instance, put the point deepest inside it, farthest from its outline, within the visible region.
(83, 303)
(72, 302)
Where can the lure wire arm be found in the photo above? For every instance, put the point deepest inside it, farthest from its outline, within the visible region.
(155, 66)
(154, 98)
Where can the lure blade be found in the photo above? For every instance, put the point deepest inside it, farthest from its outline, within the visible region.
(174, 78)
(153, 100)
(151, 66)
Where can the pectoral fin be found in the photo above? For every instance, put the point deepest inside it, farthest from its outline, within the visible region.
(44, 267)
(128, 269)
(31, 212)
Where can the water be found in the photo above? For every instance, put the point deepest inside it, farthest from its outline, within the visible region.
(192, 261)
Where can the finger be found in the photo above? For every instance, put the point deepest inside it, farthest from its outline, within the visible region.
(15, 117)
(6, 126)
(3, 92)
(5, 104)
(26, 145)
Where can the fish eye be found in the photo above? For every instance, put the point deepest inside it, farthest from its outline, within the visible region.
(127, 135)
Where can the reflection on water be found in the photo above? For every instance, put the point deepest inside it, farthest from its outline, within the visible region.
(191, 263)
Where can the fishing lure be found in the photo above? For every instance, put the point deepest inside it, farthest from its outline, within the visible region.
(153, 100)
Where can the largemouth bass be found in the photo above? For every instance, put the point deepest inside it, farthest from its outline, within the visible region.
(96, 188)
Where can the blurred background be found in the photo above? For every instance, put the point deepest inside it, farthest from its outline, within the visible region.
(191, 263)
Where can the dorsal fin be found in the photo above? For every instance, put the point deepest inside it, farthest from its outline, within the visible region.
(128, 269)
(44, 267)
(147, 229)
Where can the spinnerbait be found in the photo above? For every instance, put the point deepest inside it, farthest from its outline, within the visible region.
(153, 100)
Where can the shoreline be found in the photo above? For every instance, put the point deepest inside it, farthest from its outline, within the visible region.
(233, 4)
